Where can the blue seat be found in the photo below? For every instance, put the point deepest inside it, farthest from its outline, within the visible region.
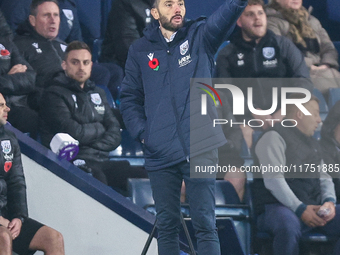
(141, 194)
(108, 96)
(322, 104)
(225, 43)
(333, 97)
(333, 8)
(229, 205)
(337, 44)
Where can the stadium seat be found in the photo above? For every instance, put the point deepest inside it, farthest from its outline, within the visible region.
(333, 8)
(334, 96)
(337, 45)
(108, 96)
(225, 43)
(228, 205)
(322, 104)
(141, 194)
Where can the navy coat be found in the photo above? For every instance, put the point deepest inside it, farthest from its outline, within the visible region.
(156, 103)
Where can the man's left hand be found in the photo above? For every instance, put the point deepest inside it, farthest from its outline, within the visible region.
(15, 227)
(331, 214)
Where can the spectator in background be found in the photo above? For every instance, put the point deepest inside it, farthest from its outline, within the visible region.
(290, 203)
(17, 12)
(126, 22)
(38, 43)
(330, 144)
(289, 18)
(74, 105)
(256, 52)
(18, 232)
(16, 82)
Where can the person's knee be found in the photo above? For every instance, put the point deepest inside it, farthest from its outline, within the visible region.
(48, 239)
(56, 238)
(289, 229)
(5, 240)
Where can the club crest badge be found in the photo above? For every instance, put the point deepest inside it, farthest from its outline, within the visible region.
(268, 52)
(96, 99)
(184, 47)
(6, 146)
(68, 13)
(240, 55)
(63, 47)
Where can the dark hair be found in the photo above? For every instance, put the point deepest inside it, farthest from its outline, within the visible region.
(256, 2)
(76, 45)
(36, 3)
(155, 3)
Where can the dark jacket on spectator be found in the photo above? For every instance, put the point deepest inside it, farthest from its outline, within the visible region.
(156, 101)
(330, 147)
(82, 113)
(45, 56)
(301, 151)
(14, 87)
(273, 57)
(242, 59)
(13, 202)
(126, 22)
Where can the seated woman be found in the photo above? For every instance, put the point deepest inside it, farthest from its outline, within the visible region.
(289, 18)
(330, 143)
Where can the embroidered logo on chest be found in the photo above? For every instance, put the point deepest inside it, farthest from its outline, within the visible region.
(184, 47)
(6, 149)
(268, 52)
(96, 99)
(36, 46)
(184, 61)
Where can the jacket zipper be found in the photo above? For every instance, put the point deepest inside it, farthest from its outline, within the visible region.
(178, 126)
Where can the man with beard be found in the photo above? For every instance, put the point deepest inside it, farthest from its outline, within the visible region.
(155, 104)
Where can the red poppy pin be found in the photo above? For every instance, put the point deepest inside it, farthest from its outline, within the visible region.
(4, 52)
(153, 63)
(7, 166)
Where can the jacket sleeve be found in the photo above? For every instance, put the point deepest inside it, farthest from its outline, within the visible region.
(56, 112)
(328, 53)
(16, 186)
(270, 151)
(18, 83)
(111, 138)
(222, 63)
(132, 98)
(295, 63)
(221, 23)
